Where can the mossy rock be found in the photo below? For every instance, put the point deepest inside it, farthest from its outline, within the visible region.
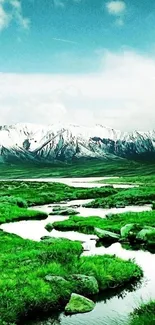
(49, 227)
(64, 212)
(58, 283)
(130, 231)
(147, 236)
(83, 284)
(106, 236)
(79, 304)
(55, 279)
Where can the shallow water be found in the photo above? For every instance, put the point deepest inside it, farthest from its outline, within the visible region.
(34, 230)
(86, 182)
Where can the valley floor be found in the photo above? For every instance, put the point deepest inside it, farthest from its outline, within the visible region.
(39, 277)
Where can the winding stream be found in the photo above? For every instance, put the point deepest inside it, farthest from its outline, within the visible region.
(112, 308)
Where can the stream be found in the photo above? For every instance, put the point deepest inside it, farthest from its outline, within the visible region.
(86, 182)
(112, 307)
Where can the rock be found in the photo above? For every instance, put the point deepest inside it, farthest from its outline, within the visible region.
(147, 236)
(54, 240)
(46, 238)
(130, 231)
(58, 207)
(49, 227)
(79, 304)
(85, 285)
(56, 279)
(107, 236)
(64, 212)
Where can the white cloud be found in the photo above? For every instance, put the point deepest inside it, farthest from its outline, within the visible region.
(4, 18)
(116, 7)
(12, 13)
(121, 95)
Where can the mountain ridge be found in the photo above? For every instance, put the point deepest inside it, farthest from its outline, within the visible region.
(65, 143)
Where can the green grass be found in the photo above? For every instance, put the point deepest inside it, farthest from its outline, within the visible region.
(33, 193)
(24, 265)
(85, 168)
(134, 179)
(144, 315)
(11, 213)
(114, 223)
(109, 271)
(134, 196)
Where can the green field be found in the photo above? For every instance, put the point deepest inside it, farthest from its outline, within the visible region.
(25, 265)
(87, 168)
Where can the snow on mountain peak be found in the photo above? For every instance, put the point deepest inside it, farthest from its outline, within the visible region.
(65, 142)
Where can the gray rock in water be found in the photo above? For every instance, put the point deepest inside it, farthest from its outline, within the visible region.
(79, 304)
(64, 212)
(83, 284)
(107, 236)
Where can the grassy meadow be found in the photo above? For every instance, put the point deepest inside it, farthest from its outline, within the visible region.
(37, 277)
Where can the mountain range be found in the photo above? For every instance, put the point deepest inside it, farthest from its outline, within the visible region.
(65, 143)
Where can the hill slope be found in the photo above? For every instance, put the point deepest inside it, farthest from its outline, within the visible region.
(66, 143)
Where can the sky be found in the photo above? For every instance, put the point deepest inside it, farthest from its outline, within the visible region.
(78, 61)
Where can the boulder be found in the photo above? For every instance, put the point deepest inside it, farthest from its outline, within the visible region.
(49, 227)
(55, 279)
(130, 231)
(107, 236)
(64, 212)
(147, 236)
(79, 304)
(83, 284)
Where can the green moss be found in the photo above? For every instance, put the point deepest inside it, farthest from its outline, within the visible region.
(79, 304)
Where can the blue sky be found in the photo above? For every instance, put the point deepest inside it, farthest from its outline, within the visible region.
(108, 43)
(91, 26)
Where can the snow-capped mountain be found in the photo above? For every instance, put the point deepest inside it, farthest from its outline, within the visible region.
(65, 143)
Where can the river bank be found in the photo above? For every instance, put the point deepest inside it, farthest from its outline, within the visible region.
(34, 258)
